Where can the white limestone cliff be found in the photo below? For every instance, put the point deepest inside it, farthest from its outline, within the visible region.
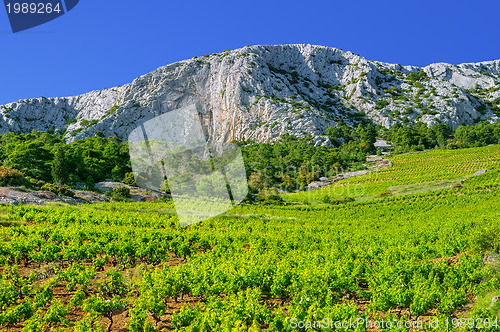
(262, 92)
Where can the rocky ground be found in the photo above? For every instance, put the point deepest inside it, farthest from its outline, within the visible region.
(16, 195)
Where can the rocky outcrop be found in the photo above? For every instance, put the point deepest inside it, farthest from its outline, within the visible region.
(262, 92)
(13, 195)
(23, 196)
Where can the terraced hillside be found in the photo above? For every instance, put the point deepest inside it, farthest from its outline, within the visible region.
(420, 257)
(411, 173)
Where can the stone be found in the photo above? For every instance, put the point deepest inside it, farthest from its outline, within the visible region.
(480, 172)
(262, 92)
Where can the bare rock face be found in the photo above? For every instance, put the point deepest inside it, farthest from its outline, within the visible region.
(262, 92)
(22, 196)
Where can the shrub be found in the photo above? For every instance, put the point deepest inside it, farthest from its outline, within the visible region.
(129, 179)
(452, 145)
(120, 194)
(330, 200)
(11, 177)
(386, 193)
(381, 104)
(90, 183)
(65, 190)
(429, 112)
(49, 187)
(412, 76)
(113, 109)
(35, 183)
(421, 75)
(61, 190)
(116, 173)
(270, 195)
(336, 201)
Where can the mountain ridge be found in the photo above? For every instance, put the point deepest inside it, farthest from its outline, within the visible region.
(261, 92)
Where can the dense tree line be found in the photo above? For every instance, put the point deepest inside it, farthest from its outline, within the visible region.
(362, 138)
(419, 137)
(291, 162)
(46, 157)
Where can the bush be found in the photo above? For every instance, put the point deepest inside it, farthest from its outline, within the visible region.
(61, 190)
(90, 183)
(120, 194)
(36, 184)
(330, 200)
(65, 190)
(11, 177)
(381, 104)
(429, 112)
(270, 195)
(386, 193)
(129, 179)
(453, 145)
(413, 77)
(336, 201)
(49, 187)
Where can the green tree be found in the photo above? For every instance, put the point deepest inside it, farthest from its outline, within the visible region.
(256, 181)
(167, 187)
(116, 173)
(442, 133)
(367, 137)
(11, 177)
(90, 182)
(60, 169)
(121, 194)
(32, 158)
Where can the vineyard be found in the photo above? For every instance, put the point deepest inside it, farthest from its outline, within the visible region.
(432, 170)
(428, 254)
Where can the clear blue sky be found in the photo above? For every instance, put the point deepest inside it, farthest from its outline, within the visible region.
(104, 43)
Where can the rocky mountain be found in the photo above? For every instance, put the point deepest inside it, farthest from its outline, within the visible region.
(261, 92)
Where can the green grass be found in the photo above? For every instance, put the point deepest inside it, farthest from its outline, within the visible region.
(485, 302)
(423, 187)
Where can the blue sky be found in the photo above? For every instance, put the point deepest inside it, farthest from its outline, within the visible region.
(101, 44)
